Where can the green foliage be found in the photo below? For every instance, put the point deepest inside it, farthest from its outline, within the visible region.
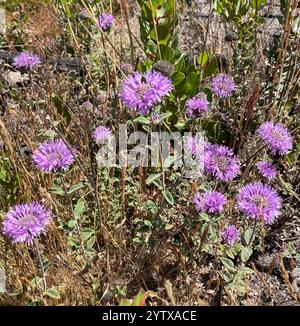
(159, 26)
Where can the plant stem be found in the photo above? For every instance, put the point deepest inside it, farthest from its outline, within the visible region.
(253, 232)
(40, 262)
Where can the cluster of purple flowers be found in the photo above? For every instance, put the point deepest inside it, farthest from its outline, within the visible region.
(105, 21)
(100, 134)
(197, 106)
(53, 155)
(24, 222)
(276, 136)
(259, 201)
(266, 169)
(209, 202)
(26, 60)
(141, 92)
(222, 85)
(231, 234)
(219, 160)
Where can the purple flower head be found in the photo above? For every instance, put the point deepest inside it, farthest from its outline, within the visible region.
(276, 136)
(53, 155)
(231, 234)
(266, 169)
(197, 106)
(24, 222)
(105, 21)
(87, 105)
(220, 161)
(209, 202)
(141, 92)
(259, 201)
(26, 60)
(155, 117)
(100, 134)
(222, 85)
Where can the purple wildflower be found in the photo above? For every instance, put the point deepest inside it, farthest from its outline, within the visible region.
(276, 136)
(259, 201)
(87, 105)
(155, 117)
(222, 85)
(26, 60)
(141, 92)
(100, 134)
(24, 222)
(231, 234)
(53, 155)
(266, 169)
(209, 202)
(197, 106)
(220, 161)
(105, 21)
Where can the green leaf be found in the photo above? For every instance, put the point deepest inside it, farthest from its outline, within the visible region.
(211, 68)
(246, 253)
(228, 264)
(79, 208)
(86, 233)
(57, 190)
(192, 85)
(158, 184)
(165, 116)
(52, 293)
(75, 187)
(125, 303)
(202, 58)
(177, 77)
(142, 120)
(140, 298)
(167, 53)
(168, 196)
(247, 236)
(152, 178)
(246, 270)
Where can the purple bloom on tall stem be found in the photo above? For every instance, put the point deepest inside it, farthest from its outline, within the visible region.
(100, 134)
(24, 222)
(26, 60)
(276, 136)
(53, 155)
(231, 234)
(222, 85)
(209, 202)
(259, 201)
(141, 92)
(197, 106)
(220, 161)
(105, 21)
(266, 169)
